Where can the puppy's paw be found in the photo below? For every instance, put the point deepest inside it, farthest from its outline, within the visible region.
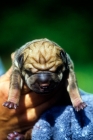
(15, 136)
(80, 106)
(10, 105)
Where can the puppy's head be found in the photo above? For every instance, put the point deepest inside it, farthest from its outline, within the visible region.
(42, 63)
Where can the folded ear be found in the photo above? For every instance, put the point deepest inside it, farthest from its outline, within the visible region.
(64, 58)
(67, 60)
(20, 61)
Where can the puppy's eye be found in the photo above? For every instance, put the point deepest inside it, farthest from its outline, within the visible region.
(28, 71)
(59, 69)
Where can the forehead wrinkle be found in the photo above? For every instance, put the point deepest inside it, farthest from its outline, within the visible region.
(28, 66)
(33, 53)
(43, 55)
(39, 66)
(42, 59)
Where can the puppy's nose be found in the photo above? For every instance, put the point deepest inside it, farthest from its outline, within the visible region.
(44, 80)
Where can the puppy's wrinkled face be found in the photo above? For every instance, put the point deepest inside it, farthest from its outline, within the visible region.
(42, 66)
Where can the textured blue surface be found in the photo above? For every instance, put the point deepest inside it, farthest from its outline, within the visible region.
(64, 123)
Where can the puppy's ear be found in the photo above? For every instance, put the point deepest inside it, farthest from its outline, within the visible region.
(64, 58)
(20, 61)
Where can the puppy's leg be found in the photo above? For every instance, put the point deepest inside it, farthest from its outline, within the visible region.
(74, 94)
(14, 90)
(72, 88)
(17, 136)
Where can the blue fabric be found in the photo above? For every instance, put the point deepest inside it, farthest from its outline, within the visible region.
(64, 123)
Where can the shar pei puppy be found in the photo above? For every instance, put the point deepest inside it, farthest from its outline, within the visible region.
(45, 68)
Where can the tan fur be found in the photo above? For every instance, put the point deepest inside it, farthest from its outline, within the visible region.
(42, 55)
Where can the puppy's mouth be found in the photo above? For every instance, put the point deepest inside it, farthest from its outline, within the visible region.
(44, 88)
(43, 83)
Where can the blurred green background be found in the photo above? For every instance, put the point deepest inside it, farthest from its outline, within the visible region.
(68, 23)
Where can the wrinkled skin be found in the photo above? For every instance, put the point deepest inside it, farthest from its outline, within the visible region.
(31, 107)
